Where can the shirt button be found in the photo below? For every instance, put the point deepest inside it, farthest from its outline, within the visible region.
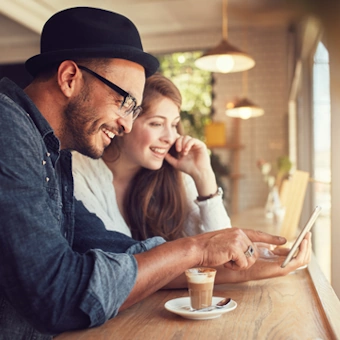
(47, 179)
(43, 162)
(48, 154)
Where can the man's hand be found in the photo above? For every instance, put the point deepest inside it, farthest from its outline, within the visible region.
(227, 247)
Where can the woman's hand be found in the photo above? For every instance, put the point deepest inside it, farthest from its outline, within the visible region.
(194, 160)
(193, 155)
(303, 254)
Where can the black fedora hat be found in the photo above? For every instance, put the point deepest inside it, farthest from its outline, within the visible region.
(86, 32)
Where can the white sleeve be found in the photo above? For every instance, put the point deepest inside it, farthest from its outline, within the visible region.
(208, 215)
(93, 185)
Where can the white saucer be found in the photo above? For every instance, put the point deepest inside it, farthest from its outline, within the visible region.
(181, 306)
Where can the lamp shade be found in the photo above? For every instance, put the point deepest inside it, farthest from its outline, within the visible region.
(243, 108)
(225, 58)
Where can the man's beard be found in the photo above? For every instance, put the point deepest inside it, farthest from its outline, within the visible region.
(80, 125)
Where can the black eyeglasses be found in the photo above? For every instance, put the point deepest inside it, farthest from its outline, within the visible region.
(129, 104)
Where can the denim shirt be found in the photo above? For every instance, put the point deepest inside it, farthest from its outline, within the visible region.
(60, 269)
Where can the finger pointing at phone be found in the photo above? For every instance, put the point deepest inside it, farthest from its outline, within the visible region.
(231, 247)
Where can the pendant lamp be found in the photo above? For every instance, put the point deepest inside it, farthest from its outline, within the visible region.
(225, 58)
(243, 107)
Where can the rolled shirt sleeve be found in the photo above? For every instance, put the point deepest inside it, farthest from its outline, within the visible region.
(113, 277)
(208, 215)
(101, 303)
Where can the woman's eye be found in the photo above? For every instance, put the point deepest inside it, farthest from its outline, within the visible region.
(156, 124)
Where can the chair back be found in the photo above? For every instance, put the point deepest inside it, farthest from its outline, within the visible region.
(292, 196)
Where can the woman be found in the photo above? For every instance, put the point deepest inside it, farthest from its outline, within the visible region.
(153, 181)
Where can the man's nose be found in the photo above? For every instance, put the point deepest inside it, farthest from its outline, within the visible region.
(125, 123)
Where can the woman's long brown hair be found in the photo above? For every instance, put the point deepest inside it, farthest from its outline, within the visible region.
(156, 204)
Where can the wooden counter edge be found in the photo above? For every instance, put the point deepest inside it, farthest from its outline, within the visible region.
(327, 297)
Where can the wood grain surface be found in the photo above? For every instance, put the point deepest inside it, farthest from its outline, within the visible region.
(279, 308)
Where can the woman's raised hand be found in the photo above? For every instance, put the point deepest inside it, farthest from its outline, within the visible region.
(194, 160)
(193, 155)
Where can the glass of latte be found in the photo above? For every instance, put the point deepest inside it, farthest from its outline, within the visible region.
(200, 286)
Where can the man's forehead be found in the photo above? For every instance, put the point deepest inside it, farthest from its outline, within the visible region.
(129, 75)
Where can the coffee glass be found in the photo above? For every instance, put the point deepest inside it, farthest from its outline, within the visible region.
(200, 285)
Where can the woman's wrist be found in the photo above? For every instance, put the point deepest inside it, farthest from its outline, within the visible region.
(205, 183)
(219, 192)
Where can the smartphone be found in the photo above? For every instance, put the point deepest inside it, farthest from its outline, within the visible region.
(304, 231)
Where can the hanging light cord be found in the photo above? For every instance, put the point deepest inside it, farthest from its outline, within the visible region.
(245, 73)
(224, 20)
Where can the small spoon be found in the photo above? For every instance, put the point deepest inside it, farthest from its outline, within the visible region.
(221, 304)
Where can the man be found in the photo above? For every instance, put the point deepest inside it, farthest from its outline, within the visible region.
(60, 270)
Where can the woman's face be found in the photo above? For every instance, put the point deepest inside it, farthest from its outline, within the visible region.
(153, 133)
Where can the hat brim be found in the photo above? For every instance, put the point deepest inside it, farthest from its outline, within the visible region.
(40, 61)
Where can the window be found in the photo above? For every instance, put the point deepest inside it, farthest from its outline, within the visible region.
(321, 157)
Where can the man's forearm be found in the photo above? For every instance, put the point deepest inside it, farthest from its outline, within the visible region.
(155, 270)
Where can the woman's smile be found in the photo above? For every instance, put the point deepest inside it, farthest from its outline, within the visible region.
(159, 151)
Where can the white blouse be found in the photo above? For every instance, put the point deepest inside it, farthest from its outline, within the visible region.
(93, 185)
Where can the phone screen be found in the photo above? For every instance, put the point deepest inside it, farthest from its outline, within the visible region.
(304, 231)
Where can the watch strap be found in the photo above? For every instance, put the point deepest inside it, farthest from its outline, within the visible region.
(219, 192)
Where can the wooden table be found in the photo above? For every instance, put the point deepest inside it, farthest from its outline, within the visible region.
(301, 305)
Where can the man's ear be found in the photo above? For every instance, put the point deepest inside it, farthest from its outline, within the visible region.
(68, 77)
